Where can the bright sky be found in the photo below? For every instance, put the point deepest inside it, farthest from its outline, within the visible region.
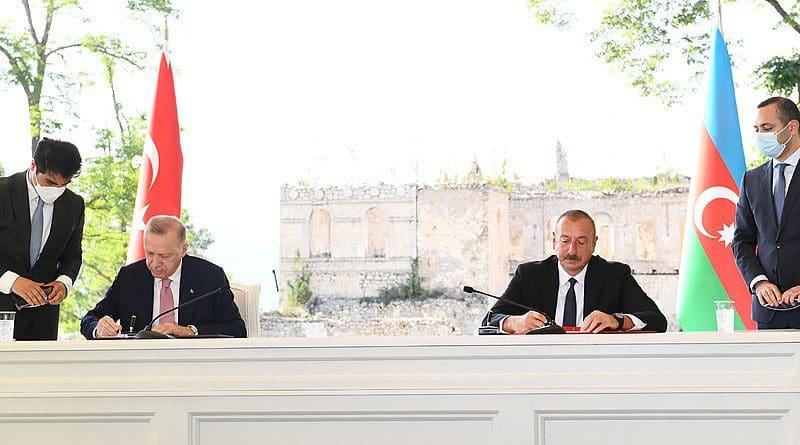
(359, 91)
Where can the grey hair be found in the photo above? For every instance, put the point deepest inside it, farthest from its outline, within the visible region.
(163, 224)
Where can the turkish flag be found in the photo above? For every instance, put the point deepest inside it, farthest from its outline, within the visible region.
(159, 191)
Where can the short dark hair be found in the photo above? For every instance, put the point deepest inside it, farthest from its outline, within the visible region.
(54, 156)
(577, 215)
(787, 109)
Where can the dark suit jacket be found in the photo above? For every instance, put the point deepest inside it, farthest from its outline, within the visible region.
(761, 245)
(61, 254)
(609, 288)
(132, 294)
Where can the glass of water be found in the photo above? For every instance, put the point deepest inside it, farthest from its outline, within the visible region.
(7, 325)
(724, 315)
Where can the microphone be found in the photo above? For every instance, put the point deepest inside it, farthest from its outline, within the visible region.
(549, 328)
(147, 333)
(276, 281)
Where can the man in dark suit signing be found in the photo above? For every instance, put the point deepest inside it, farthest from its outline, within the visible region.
(165, 278)
(41, 229)
(766, 242)
(575, 288)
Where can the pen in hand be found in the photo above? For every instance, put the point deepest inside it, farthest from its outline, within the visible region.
(133, 321)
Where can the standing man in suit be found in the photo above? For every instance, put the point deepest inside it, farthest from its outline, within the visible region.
(575, 288)
(766, 243)
(41, 229)
(165, 278)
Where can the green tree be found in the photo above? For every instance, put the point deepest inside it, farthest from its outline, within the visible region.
(644, 38)
(108, 183)
(641, 38)
(37, 55)
(781, 75)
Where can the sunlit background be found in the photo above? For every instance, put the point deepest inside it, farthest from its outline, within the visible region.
(362, 91)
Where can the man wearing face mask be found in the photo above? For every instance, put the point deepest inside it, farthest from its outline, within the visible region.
(766, 242)
(41, 229)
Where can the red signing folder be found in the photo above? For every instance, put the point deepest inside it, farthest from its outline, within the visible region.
(577, 330)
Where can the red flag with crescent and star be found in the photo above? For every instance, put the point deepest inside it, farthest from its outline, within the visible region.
(159, 191)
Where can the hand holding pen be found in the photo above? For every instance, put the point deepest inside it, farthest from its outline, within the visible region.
(107, 327)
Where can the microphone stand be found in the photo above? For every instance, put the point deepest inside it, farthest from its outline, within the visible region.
(147, 333)
(548, 328)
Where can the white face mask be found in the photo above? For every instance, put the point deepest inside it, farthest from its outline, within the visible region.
(47, 194)
(768, 145)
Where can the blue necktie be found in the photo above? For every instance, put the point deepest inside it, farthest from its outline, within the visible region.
(37, 225)
(571, 306)
(780, 191)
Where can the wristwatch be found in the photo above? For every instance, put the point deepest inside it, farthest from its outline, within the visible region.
(193, 328)
(620, 317)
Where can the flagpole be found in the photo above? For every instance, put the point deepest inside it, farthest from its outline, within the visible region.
(166, 33)
(719, 16)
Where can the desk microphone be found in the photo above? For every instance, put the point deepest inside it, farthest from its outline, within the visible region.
(147, 333)
(549, 328)
(276, 281)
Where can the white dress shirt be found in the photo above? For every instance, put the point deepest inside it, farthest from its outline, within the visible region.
(175, 287)
(8, 278)
(788, 172)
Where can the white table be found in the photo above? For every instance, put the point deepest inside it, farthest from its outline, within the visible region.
(674, 388)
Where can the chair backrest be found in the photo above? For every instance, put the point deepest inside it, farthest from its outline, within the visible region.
(246, 298)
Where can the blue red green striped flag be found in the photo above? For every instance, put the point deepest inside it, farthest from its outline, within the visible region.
(708, 271)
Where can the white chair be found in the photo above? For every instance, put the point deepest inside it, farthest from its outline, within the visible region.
(246, 298)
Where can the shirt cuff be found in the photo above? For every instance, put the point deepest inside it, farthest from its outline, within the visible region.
(7, 281)
(94, 332)
(500, 326)
(638, 324)
(66, 280)
(756, 280)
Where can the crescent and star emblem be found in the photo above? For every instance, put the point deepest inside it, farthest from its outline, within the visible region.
(152, 155)
(710, 194)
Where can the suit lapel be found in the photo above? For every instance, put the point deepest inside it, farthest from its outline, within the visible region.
(591, 287)
(56, 226)
(765, 186)
(22, 213)
(550, 288)
(791, 197)
(187, 293)
(148, 294)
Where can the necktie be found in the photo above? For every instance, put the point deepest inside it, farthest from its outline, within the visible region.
(37, 226)
(166, 302)
(571, 305)
(780, 191)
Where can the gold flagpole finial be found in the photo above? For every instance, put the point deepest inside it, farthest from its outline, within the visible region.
(166, 33)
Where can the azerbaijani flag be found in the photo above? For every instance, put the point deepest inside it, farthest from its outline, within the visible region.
(159, 191)
(708, 271)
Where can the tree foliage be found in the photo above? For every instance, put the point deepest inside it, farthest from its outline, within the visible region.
(38, 63)
(643, 38)
(780, 75)
(37, 55)
(550, 12)
(647, 39)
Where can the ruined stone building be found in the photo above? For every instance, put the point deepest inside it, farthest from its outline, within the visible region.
(359, 239)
